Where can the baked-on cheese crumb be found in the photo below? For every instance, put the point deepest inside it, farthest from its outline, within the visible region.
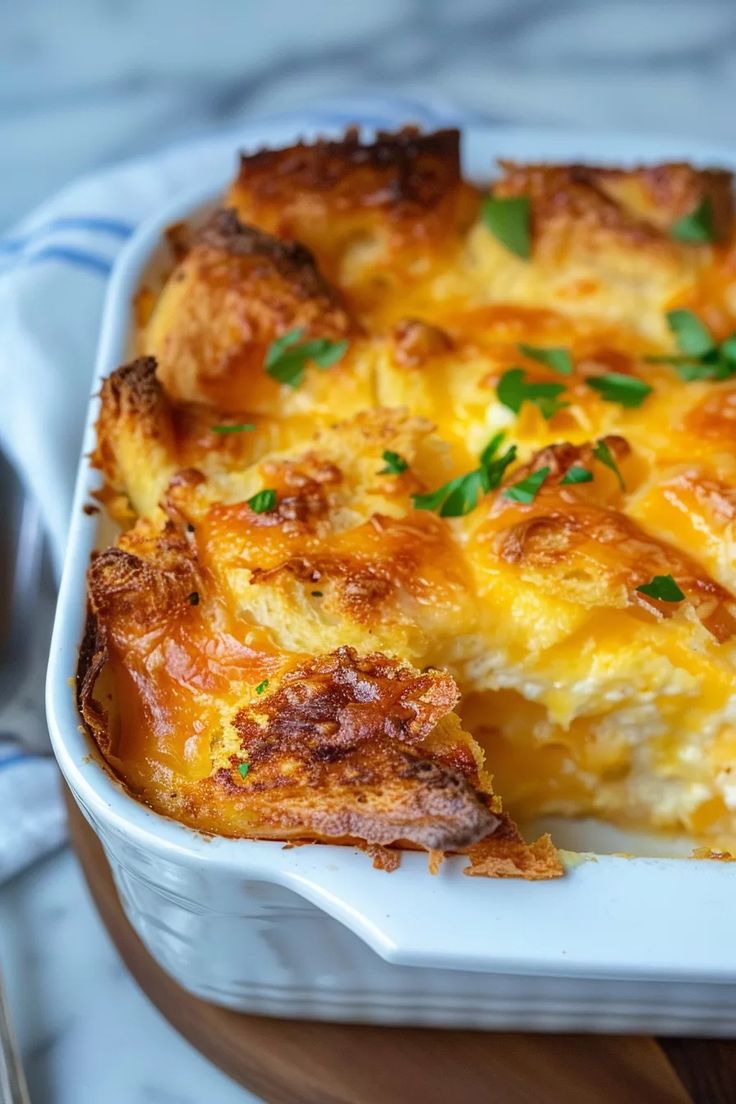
(323, 572)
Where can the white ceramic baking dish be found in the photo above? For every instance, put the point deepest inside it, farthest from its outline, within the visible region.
(618, 944)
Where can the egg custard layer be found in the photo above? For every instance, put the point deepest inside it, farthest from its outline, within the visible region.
(421, 483)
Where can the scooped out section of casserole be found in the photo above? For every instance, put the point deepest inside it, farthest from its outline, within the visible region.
(422, 483)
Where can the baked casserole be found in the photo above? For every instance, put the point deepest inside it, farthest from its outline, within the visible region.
(420, 484)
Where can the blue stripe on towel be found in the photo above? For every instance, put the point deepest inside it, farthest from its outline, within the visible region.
(90, 223)
(18, 757)
(76, 257)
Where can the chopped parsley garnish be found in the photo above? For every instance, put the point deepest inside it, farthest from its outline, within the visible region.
(558, 359)
(513, 391)
(699, 357)
(602, 452)
(316, 593)
(702, 370)
(577, 474)
(261, 686)
(526, 489)
(287, 356)
(697, 226)
(395, 464)
(508, 219)
(662, 587)
(453, 499)
(460, 496)
(194, 598)
(492, 448)
(615, 387)
(263, 501)
(243, 427)
(243, 769)
(692, 336)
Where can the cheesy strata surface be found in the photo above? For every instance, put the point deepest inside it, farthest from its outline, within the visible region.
(422, 482)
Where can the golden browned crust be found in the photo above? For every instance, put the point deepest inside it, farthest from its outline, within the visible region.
(403, 173)
(513, 858)
(133, 391)
(361, 206)
(664, 193)
(139, 593)
(417, 342)
(235, 291)
(330, 704)
(575, 535)
(137, 447)
(614, 557)
(603, 242)
(133, 406)
(340, 750)
(637, 205)
(384, 858)
(225, 233)
(93, 658)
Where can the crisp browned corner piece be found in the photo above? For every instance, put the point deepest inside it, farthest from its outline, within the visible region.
(422, 482)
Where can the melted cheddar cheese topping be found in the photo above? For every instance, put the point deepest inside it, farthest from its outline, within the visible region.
(342, 664)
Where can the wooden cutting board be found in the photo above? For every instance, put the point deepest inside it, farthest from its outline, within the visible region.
(297, 1062)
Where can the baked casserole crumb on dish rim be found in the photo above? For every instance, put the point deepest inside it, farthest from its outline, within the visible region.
(425, 490)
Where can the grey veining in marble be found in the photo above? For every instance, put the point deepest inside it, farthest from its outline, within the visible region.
(86, 83)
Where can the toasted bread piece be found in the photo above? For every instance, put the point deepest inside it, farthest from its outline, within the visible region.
(337, 747)
(389, 205)
(233, 294)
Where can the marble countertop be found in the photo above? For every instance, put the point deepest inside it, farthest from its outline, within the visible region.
(88, 1033)
(88, 83)
(84, 84)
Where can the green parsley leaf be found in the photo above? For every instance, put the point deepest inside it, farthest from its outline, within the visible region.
(463, 496)
(243, 768)
(243, 427)
(395, 464)
(620, 388)
(727, 349)
(697, 226)
(690, 370)
(492, 470)
(460, 495)
(491, 448)
(526, 489)
(194, 598)
(288, 355)
(700, 358)
(261, 686)
(558, 359)
(693, 337)
(577, 474)
(662, 587)
(508, 219)
(324, 352)
(604, 454)
(316, 593)
(262, 502)
(513, 391)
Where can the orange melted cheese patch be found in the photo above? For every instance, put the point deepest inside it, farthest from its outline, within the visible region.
(587, 695)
